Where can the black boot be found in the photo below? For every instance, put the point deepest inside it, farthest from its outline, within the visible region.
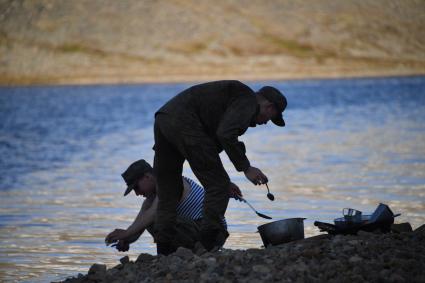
(208, 238)
(165, 248)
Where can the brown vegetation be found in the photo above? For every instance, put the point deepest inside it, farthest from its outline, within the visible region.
(87, 41)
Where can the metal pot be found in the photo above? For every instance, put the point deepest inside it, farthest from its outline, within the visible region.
(282, 231)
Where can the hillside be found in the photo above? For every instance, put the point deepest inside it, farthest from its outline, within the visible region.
(93, 41)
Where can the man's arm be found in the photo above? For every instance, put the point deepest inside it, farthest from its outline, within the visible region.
(234, 122)
(145, 217)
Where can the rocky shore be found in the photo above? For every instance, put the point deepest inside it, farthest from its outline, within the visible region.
(398, 256)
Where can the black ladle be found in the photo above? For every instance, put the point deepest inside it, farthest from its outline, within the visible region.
(259, 214)
(270, 196)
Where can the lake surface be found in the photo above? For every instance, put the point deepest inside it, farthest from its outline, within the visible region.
(347, 143)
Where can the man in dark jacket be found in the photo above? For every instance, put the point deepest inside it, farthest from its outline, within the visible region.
(196, 125)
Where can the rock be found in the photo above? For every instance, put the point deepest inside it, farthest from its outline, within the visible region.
(237, 268)
(199, 249)
(97, 268)
(338, 240)
(159, 273)
(97, 272)
(347, 249)
(353, 242)
(125, 260)
(310, 253)
(145, 258)
(175, 265)
(355, 259)
(396, 278)
(301, 266)
(356, 278)
(365, 234)
(419, 278)
(384, 273)
(379, 231)
(318, 237)
(183, 253)
(260, 269)
(392, 257)
(210, 261)
(402, 227)
(420, 229)
(403, 254)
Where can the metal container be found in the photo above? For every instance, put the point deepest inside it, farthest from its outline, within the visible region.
(282, 231)
(343, 223)
(382, 214)
(352, 215)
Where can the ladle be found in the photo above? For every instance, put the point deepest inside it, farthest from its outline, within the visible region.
(258, 213)
(270, 196)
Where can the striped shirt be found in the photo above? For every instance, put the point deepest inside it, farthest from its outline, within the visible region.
(192, 206)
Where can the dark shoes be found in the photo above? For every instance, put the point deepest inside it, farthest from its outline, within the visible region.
(165, 248)
(212, 240)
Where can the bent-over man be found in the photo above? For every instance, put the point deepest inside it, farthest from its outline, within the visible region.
(140, 178)
(196, 125)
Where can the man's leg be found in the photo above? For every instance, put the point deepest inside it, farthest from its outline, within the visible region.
(187, 140)
(216, 200)
(168, 166)
(187, 232)
(208, 168)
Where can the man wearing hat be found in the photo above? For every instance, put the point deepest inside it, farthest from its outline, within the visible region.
(140, 178)
(196, 125)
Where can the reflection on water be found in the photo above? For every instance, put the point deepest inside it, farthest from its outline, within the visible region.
(347, 143)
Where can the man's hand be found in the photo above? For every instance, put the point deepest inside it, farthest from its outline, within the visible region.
(234, 191)
(256, 176)
(122, 246)
(116, 235)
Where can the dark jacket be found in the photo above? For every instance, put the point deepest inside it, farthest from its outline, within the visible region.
(224, 108)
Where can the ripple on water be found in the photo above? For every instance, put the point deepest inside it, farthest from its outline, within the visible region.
(347, 143)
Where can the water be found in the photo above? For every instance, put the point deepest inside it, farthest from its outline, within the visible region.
(347, 143)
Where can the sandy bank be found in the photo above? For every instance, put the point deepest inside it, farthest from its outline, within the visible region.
(88, 42)
(366, 257)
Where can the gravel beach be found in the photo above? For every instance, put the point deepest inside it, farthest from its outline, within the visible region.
(398, 256)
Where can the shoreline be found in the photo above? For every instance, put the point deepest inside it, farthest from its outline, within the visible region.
(398, 256)
(166, 79)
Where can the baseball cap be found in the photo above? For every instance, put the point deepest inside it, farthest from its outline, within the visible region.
(278, 99)
(134, 172)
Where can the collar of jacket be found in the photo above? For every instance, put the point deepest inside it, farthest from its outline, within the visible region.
(253, 123)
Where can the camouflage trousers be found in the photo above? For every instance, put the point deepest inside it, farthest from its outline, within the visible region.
(187, 233)
(175, 142)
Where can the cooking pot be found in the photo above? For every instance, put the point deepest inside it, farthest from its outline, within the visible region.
(282, 231)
